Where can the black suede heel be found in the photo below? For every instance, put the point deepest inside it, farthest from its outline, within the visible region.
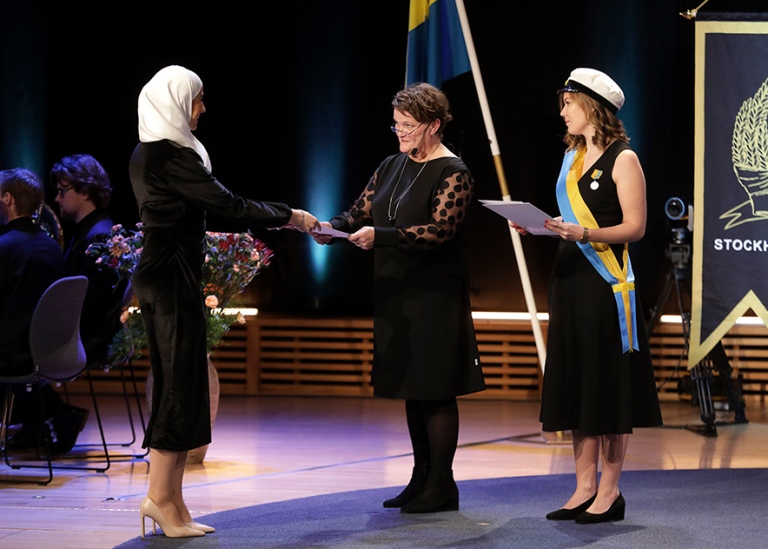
(614, 512)
(570, 514)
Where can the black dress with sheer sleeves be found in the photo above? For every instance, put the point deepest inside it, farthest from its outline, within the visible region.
(424, 337)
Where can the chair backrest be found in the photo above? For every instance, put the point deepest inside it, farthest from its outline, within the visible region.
(54, 333)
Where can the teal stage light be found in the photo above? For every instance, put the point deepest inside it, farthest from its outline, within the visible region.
(323, 181)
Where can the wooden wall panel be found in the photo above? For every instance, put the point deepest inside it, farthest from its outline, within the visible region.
(287, 355)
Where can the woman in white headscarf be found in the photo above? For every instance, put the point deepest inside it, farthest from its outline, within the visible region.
(171, 177)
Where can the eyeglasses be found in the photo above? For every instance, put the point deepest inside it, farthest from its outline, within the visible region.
(406, 129)
(61, 191)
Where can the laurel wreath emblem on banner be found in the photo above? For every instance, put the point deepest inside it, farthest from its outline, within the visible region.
(749, 150)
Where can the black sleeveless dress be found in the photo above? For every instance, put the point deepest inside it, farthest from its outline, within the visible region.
(589, 384)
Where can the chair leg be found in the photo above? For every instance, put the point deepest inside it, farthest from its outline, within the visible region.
(139, 401)
(18, 464)
(46, 434)
(134, 386)
(127, 398)
(5, 417)
(127, 409)
(98, 419)
(105, 456)
(61, 460)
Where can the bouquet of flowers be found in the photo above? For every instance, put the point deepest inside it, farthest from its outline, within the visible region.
(120, 252)
(232, 260)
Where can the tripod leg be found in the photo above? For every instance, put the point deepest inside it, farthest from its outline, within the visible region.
(655, 314)
(700, 375)
(702, 372)
(720, 362)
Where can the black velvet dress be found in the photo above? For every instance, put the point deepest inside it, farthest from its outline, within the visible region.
(589, 384)
(174, 190)
(424, 337)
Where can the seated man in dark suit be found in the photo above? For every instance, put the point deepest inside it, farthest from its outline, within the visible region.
(30, 261)
(83, 192)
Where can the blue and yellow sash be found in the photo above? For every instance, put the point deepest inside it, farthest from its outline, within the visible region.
(575, 210)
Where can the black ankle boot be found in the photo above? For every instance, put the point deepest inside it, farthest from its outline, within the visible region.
(439, 494)
(414, 488)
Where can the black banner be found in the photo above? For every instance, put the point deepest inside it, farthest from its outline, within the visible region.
(730, 214)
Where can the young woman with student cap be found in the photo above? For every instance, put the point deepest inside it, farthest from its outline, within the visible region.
(598, 377)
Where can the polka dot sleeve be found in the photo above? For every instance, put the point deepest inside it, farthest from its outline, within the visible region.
(449, 210)
(359, 214)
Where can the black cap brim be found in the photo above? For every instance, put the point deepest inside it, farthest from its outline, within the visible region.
(575, 87)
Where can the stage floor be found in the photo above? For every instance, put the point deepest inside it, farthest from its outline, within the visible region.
(271, 449)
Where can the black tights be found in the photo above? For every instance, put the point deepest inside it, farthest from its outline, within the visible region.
(434, 429)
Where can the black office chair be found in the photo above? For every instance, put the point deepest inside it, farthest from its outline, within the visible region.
(58, 356)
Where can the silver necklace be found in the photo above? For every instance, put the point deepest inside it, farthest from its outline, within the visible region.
(390, 214)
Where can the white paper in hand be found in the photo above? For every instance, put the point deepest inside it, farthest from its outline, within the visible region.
(522, 214)
(329, 231)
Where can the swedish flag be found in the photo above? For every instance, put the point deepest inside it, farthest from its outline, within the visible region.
(436, 48)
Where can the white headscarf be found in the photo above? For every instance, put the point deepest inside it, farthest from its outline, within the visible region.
(165, 108)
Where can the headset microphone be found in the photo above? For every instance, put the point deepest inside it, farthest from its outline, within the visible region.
(416, 148)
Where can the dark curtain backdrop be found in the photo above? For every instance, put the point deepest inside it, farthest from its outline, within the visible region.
(298, 98)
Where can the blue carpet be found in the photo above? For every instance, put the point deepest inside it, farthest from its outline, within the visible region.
(697, 509)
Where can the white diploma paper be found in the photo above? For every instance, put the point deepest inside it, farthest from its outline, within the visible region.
(331, 232)
(522, 214)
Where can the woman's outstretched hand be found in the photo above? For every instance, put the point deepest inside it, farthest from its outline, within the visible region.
(321, 238)
(303, 221)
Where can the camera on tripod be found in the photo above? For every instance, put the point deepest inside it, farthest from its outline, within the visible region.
(680, 223)
(715, 365)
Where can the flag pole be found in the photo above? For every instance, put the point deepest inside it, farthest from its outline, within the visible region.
(516, 242)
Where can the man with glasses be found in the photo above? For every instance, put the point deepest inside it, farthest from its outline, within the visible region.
(83, 192)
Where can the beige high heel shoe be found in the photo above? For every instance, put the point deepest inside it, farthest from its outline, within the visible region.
(199, 526)
(149, 509)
